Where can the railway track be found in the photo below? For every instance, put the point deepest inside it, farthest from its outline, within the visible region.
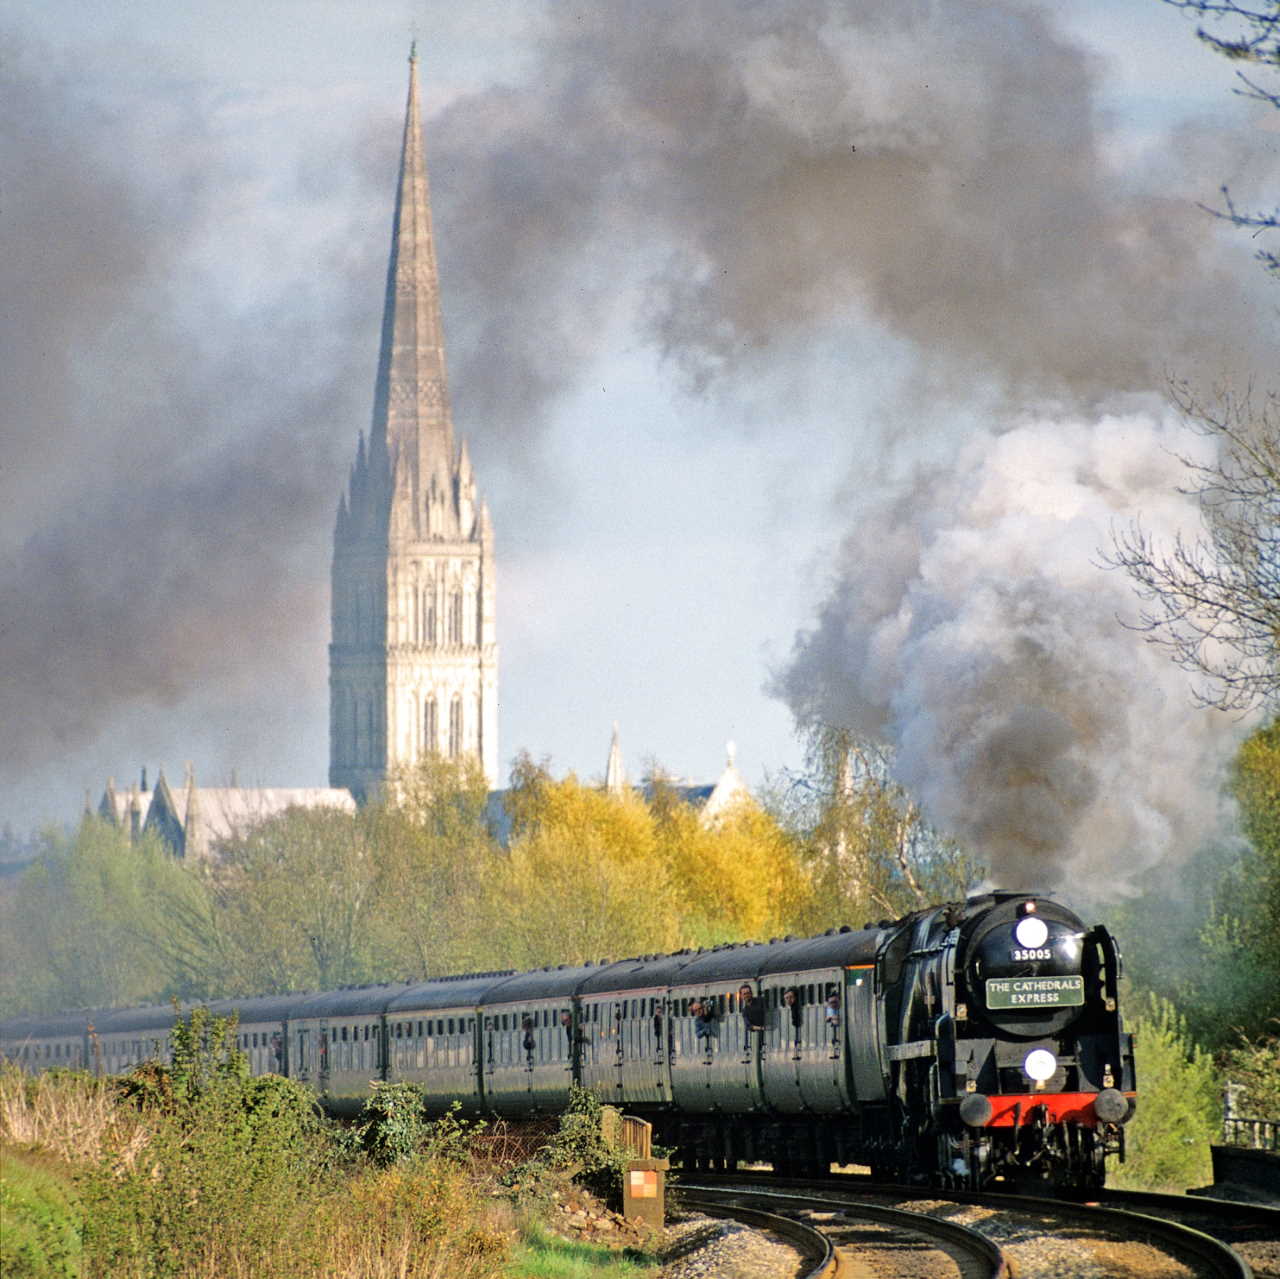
(1252, 1230)
(859, 1238)
(1126, 1234)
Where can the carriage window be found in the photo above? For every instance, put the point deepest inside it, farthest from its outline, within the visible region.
(451, 1025)
(333, 1034)
(344, 1034)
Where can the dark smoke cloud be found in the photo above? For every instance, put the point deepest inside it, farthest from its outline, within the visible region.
(764, 166)
(172, 456)
(724, 179)
(756, 173)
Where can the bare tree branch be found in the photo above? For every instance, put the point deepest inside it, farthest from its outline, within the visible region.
(1254, 38)
(1214, 602)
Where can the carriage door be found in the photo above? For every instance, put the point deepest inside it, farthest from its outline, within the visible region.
(303, 1062)
(323, 1063)
(489, 1048)
(618, 1021)
(862, 1033)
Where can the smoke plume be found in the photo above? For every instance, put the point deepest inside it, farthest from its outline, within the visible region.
(731, 183)
(173, 453)
(971, 626)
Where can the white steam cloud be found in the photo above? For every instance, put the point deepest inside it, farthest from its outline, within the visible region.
(971, 627)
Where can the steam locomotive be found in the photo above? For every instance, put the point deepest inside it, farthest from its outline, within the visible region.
(964, 1044)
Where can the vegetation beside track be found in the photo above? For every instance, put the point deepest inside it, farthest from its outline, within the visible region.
(200, 1170)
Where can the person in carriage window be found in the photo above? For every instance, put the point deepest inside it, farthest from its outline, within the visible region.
(831, 1013)
(573, 1033)
(704, 1021)
(527, 1041)
(791, 1002)
(752, 1008)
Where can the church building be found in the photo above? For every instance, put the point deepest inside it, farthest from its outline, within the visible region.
(413, 653)
(413, 658)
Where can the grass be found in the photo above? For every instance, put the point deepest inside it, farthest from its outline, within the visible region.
(541, 1255)
(40, 1238)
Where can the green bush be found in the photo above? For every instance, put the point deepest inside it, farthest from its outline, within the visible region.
(395, 1123)
(228, 1161)
(579, 1151)
(1167, 1141)
(41, 1234)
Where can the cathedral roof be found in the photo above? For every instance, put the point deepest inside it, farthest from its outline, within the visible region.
(225, 811)
(192, 819)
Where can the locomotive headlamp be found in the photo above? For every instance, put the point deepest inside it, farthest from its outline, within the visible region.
(1031, 932)
(1040, 1064)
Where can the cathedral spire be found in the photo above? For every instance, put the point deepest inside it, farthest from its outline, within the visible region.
(615, 776)
(413, 662)
(411, 418)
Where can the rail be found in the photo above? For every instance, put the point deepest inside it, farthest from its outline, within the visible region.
(817, 1247)
(971, 1243)
(1215, 1256)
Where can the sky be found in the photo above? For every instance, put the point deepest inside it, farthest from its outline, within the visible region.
(807, 355)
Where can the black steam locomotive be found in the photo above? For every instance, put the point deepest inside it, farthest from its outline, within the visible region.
(963, 1044)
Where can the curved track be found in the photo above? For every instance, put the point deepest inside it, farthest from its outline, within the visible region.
(904, 1243)
(813, 1244)
(1252, 1230)
(1127, 1231)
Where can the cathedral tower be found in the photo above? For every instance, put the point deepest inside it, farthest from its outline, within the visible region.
(413, 662)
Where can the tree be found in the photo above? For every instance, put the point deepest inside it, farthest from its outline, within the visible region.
(1252, 36)
(1214, 602)
(295, 898)
(868, 850)
(1167, 1142)
(434, 847)
(581, 881)
(739, 877)
(98, 920)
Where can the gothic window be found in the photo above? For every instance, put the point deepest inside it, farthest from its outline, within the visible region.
(429, 609)
(455, 727)
(455, 617)
(430, 727)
